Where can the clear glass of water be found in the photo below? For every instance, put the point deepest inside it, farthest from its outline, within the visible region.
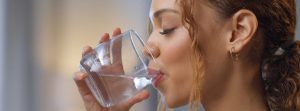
(117, 69)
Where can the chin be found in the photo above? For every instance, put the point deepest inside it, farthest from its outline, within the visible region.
(175, 102)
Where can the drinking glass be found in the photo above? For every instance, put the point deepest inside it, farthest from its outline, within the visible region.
(117, 69)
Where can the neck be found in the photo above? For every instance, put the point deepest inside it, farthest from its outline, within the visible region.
(243, 91)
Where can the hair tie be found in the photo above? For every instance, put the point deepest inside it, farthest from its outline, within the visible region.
(288, 45)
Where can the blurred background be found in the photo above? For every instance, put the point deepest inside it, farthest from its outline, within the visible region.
(40, 48)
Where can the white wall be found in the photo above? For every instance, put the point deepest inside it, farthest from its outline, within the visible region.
(2, 25)
(18, 60)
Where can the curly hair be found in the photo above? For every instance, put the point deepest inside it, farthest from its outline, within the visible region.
(277, 23)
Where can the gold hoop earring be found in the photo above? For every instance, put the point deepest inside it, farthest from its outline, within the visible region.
(234, 56)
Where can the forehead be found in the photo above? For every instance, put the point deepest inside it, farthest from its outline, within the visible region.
(163, 4)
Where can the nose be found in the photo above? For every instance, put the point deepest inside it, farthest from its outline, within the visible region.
(151, 49)
(152, 52)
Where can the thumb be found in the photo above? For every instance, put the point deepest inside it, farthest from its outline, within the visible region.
(143, 95)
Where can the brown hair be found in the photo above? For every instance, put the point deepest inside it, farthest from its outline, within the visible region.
(277, 22)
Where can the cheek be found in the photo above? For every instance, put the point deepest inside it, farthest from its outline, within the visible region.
(177, 62)
(215, 52)
(215, 55)
(176, 59)
(177, 48)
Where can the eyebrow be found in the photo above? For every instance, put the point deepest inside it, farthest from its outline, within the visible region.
(159, 12)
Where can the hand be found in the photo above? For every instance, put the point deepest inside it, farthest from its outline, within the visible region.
(90, 101)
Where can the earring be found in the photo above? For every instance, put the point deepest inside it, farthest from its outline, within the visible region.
(234, 56)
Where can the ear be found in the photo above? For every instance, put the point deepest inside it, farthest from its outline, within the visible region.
(244, 26)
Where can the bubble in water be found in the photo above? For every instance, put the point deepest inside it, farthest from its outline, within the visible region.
(141, 82)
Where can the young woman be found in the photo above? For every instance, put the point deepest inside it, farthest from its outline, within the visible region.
(229, 55)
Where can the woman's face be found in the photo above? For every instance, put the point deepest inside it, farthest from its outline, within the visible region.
(170, 44)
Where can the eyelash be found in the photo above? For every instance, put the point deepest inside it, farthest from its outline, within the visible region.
(166, 31)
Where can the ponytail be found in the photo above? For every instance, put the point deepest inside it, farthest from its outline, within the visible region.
(282, 78)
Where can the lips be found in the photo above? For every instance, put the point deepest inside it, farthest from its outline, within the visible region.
(157, 76)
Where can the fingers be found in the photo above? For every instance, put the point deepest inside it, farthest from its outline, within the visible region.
(79, 80)
(117, 46)
(116, 32)
(125, 106)
(87, 96)
(79, 77)
(104, 38)
(143, 95)
(91, 102)
(86, 50)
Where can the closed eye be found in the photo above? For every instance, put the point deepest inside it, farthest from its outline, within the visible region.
(166, 31)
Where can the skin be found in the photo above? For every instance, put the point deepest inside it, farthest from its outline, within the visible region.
(171, 51)
(228, 85)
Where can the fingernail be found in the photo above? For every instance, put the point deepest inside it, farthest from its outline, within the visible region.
(83, 49)
(102, 37)
(105, 34)
(75, 76)
(81, 76)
